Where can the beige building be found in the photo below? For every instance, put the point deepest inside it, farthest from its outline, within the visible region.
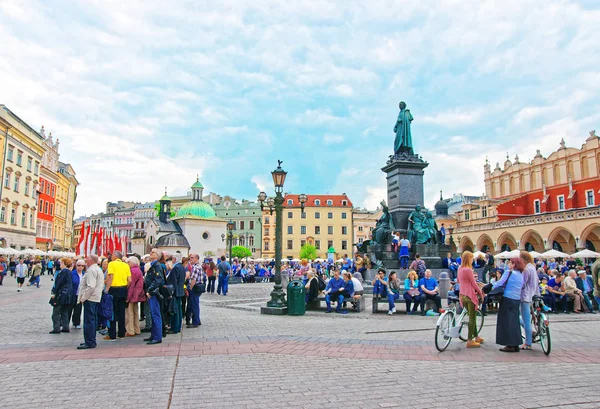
(23, 149)
(326, 223)
(546, 203)
(66, 172)
(364, 222)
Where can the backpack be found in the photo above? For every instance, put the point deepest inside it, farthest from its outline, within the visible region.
(421, 268)
(322, 284)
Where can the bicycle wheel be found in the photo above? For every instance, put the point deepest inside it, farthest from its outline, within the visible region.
(544, 333)
(465, 323)
(442, 331)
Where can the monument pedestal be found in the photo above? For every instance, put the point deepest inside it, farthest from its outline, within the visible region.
(404, 186)
(431, 254)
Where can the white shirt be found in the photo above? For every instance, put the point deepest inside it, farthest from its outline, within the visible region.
(21, 270)
(404, 243)
(357, 285)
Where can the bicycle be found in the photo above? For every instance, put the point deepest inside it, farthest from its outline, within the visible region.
(540, 325)
(449, 326)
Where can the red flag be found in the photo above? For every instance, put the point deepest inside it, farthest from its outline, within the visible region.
(79, 248)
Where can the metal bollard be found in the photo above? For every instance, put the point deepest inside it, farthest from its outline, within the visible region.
(444, 284)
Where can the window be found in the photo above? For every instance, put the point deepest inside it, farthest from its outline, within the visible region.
(317, 215)
(589, 197)
(266, 219)
(344, 245)
(302, 243)
(10, 154)
(266, 246)
(330, 215)
(318, 244)
(266, 231)
(19, 158)
(23, 219)
(31, 220)
(42, 184)
(302, 229)
(330, 203)
(317, 229)
(13, 216)
(251, 222)
(536, 207)
(51, 210)
(29, 163)
(251, 241)
(27, 188)
(290, 229)
(242, 225)
(290, 202)
(317, 202)
(344, 203)
(484, 211)
(48, 189)
(37, 168)
(343, 215)
(54, 191)
(3, 214)
(561, 202)
(46, 207)
(290, 244)
(41, 205)
(303, 215)
(7, 181)
(290, 215)
(329, 244)
(17, 184)
(467, 215)
(329, 229)
(344, 230)
(360, 228)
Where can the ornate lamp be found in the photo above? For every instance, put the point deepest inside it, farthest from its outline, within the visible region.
(302, 199)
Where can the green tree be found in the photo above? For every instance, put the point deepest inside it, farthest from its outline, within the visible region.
(240, 252)
(308, 251)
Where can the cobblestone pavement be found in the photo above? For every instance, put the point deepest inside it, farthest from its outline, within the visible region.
(240, 358)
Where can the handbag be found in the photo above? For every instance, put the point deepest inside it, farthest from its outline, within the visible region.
(199, 288)
(498, 292)
(53, 301)
(413, 292)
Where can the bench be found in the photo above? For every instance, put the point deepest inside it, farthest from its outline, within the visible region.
(429, 304)
(356, 303)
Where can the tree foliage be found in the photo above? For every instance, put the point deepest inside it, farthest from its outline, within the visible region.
(157, 209)
(308, 251)
(240, 252)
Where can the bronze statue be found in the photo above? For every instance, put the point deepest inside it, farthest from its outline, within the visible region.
(384, 227)
(403, 141)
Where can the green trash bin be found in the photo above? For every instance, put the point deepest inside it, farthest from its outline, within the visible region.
(296, 298)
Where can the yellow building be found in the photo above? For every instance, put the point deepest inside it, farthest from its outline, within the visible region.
(364, 222)
(326, 223)
(22, 150)
(66, 173)
(546, 203)
(60, 212)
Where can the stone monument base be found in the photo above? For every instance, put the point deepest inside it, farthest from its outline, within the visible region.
(431, 254)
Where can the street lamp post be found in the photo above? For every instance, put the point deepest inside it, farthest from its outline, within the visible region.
(277, 304)
(230, 227)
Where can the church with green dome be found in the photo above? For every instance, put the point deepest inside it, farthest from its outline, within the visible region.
(194, 228)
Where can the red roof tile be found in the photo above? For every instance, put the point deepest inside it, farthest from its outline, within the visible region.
(336, 201)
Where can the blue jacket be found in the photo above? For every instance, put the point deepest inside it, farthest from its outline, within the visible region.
(177, 279)
(334, 285)
(349, 286)
(63, 287)
(155, 277)
(75, 281)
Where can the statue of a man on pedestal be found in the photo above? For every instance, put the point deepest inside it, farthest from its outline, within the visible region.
(403, 142)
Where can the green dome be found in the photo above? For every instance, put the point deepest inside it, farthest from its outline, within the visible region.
(197, 185)
(165, 198)
(196, 209)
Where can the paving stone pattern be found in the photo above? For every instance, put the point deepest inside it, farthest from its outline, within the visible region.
(239, 358)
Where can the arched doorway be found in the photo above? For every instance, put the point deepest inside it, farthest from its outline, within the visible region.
(506, 242)
(466, 244)
(590, 237)
(485, 243)
(532, 241)
(563, 240)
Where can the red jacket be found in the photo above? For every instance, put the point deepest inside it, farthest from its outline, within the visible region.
(135, 291)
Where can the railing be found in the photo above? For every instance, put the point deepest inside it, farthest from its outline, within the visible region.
(556, 217)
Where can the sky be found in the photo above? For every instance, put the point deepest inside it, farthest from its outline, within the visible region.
(148, 94)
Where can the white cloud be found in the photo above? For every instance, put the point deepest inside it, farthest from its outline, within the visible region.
(344, 90)
(333, 139)
(261, 182)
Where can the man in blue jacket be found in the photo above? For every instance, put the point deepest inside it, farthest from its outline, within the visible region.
(333, 291)
(177, 279)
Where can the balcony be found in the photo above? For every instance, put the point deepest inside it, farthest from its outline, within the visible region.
(556, 217)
